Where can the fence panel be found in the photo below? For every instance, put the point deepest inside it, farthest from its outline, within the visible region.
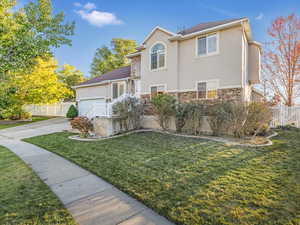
(284, 115)
(57, 109)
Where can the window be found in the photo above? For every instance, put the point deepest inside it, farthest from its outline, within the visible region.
(118, 89)
(155, 90)
(158, 56)
(207, 45)
(208, 90)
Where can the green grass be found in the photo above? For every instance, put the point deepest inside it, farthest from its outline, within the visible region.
(24, 198)
(34, 119)
(196, 181)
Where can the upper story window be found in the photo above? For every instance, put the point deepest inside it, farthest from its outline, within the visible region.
(158, 56)
(207, 45)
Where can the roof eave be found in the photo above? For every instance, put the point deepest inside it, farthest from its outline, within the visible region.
(133, 54)
(212, 29)
(98, 83)
(157, 28)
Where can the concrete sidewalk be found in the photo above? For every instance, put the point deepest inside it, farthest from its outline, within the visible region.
(91, 200)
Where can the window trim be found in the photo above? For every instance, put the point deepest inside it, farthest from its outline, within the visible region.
(206, 36)
(156, 85)
(150, 53)
(118, 83)
(206, 81)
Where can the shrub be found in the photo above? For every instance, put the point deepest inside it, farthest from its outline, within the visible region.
(181, 116)
(164, 107)
(130, 111)
(83, 124)
(258, 118)
(14, 112)
(194, 117)
(72, 112)
(219, 117)
(238, 112)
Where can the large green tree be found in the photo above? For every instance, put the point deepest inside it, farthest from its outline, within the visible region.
(107, 59)
(70, 76)
(29, 33)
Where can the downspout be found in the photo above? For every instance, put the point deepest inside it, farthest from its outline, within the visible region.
(177, 70)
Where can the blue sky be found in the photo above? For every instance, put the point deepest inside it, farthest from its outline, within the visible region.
(98, 21)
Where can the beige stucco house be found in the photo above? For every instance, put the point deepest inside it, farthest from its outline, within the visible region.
(215, 60)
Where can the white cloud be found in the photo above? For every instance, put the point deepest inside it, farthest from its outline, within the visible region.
(98, 18)
(89, 6)
(77, 4)
(260, 16)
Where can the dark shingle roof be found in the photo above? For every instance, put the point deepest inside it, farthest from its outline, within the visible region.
(116, 74)
(204, 26)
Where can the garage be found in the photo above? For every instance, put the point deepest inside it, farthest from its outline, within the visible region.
(92, 107)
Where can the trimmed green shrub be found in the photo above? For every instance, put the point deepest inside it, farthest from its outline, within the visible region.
(164, 107)
(72, 112)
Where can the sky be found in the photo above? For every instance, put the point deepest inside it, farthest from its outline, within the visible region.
(98, 21)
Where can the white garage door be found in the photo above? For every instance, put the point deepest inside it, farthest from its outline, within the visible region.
(92, 107)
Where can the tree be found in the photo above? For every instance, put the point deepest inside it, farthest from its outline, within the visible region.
(106, 59)
(70, 76)
(29, 33)
(41, 86)
(281, 61)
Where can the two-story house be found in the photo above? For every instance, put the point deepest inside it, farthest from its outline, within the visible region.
(214, 60)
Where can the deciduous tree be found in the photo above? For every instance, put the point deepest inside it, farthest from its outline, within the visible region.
(70, 76)
(107, 59)
(41, 86)
(29, 33)
(281, 65)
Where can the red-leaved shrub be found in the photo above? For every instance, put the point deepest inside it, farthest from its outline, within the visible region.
(83, 124)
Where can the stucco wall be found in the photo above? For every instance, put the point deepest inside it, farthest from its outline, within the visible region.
(254, 63)
(164, 76)
(101, 91)
(225, 66)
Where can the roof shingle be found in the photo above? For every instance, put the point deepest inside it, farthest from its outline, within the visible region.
(204, 26)
(116, 74)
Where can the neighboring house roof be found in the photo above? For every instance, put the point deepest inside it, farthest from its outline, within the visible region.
(117, 74)
(204, 26)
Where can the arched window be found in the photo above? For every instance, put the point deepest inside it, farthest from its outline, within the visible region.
(158, 56)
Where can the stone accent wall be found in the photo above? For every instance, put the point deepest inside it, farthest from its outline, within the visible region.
(223, 95)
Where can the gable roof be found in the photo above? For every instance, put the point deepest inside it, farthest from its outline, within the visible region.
(155, 29)
(117, 74)
(207, 25)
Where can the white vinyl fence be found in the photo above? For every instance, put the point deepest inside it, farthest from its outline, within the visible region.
(284, 115)
(57, 109)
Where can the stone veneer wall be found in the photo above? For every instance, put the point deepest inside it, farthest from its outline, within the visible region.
(223, 95)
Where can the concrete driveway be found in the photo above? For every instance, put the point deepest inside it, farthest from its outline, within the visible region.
(35, 129)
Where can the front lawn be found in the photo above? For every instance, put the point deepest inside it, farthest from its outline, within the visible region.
(194, 181)
(24, 198)
(34, 119)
